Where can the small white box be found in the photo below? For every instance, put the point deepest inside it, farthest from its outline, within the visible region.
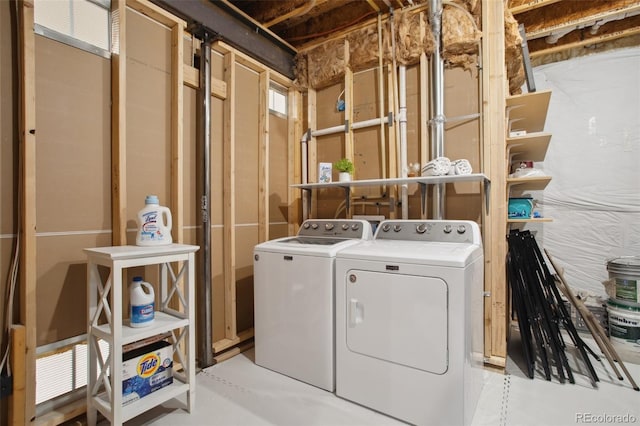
(324, 172)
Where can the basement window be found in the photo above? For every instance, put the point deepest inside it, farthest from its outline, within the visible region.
(84, 24)
(278, 100)
(61, 373)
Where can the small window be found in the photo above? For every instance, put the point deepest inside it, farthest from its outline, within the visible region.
(278, 100)
(84, 24)
(61, 372)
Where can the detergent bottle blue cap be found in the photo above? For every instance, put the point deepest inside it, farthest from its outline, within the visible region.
(151, 199)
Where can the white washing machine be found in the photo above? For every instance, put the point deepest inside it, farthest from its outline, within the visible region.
(294, 299)
(409, 321)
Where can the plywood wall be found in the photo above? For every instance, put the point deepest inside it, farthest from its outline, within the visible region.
(74, 169)
(73, 195)
(462, 141)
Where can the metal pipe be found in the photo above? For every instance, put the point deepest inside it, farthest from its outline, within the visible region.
(205, 345)
(438, 119)
(402, 118)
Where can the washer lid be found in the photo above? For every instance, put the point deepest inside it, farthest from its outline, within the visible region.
(307, 246)
(313, 240)
(414, 252)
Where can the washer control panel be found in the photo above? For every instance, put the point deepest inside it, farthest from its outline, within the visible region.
(452, 231)
(336, 228)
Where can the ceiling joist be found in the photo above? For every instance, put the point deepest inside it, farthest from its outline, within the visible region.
(557, 24)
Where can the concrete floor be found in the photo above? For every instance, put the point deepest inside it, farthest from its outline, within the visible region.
(238, 392)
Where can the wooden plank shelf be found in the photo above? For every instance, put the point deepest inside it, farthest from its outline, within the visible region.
(528, 111)
(537, 183)
(531, 147)
(531, 220)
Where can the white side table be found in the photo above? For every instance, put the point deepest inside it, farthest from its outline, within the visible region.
(104, 381)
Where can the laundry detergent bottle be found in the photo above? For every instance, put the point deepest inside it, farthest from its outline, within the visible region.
(141, 303)
(154, 224)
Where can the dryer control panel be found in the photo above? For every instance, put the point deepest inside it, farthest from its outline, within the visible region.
(336, 228)
(446, 231)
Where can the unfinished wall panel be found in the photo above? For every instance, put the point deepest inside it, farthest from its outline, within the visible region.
(330, 148)
(246, 144)
(148, 108)
(462, 141)
(191, 212)
(218, 307)
(247, 237)
(73, 185)
(246, 190)
(72, 161)
(62, 276)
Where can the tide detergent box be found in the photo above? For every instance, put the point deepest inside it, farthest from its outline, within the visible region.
(145, 370)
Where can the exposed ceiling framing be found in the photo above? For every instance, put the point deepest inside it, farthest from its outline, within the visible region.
(551, 25)
(273, 30)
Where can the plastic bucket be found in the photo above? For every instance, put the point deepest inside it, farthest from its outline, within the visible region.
(624, 329)
(625, 272)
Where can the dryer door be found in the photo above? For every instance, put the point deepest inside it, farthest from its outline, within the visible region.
(398, 318)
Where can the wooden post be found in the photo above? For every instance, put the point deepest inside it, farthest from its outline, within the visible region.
(348, 102)
(119, 122)
(424, 100)
(263, 157)
(294, 166)
(28, 279)
(229, 207)
(17, 401)
(494, 124)
(177, 133)
(312, 148)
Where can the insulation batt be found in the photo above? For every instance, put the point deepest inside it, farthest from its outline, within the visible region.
(594, 158)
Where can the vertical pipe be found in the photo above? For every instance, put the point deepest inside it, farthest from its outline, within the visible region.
(402, 118)
(205, 345)
(437, 121)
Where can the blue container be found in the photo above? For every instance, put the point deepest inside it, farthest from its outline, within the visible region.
(520, 208)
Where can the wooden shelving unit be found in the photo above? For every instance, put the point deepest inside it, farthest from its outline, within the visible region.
(528, 113)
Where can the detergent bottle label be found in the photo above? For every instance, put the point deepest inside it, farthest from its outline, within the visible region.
(150, 229)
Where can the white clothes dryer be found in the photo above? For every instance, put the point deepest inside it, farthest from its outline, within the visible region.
(409, 321)
(294, 299)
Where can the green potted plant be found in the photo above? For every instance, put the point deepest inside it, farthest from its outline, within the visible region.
(345, 169)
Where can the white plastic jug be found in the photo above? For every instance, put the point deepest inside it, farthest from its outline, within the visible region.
(154, 224)
(141, 303)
